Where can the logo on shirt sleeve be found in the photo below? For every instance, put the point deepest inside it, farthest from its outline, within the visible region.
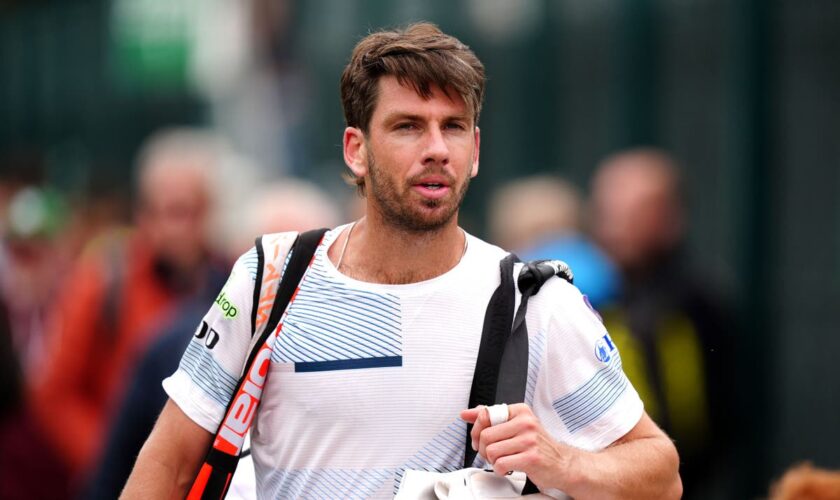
(228, 308)
(605, 349)
(209, 335)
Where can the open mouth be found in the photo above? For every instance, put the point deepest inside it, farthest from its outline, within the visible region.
(432, 186)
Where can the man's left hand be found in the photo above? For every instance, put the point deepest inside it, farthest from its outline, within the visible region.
(520, 444)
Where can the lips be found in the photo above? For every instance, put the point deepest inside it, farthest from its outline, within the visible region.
(432, 186)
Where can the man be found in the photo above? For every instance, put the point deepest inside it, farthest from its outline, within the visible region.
(554, 230)
(287, 205)
(120, 288)
(373, 366)
(675, 341)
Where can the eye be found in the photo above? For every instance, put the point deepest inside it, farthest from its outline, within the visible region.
(455, 126)
(407, 126)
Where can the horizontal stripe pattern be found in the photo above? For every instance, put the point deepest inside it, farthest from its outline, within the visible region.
(583, 406)
(321, 483)
(328, 322)
(206, 373)
(251, 261)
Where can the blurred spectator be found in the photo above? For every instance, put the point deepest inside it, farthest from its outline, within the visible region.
(284, 205)
(31, 258)
(287, 205)
(10, 379)
(540, 218)
(34, 260)
(675, 342)
(30, 467)
(119, 289)
(806, 482)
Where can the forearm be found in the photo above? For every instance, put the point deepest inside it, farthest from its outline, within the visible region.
(642, 468)
(641, 464)
(154, 478)
(170, 459)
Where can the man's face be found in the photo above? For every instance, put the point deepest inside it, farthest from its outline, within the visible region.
(634, 215)
(174, 215)
(417, 157)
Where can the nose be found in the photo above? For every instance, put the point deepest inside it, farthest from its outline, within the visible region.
(437, 151)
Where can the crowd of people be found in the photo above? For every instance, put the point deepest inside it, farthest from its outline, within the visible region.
(626, 245)
(96, 309)
(98, 301)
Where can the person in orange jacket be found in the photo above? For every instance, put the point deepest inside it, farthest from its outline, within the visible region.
(120, 289)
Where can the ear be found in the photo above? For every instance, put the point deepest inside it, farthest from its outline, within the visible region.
(474, 170)
(355, 152)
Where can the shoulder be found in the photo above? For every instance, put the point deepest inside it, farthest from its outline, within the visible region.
(268, 249)
(285, 239)
(560, 306)
(562, 294)
(480, 251)
(274, 246)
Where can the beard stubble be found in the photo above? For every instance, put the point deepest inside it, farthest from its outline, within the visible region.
(394, 203)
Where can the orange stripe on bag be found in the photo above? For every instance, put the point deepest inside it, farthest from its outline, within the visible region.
(200, 482)
(239, 415)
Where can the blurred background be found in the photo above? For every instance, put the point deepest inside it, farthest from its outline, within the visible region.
(108, 106)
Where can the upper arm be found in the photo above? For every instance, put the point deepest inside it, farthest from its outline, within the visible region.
(645, 428)
(581, 390)
(171, 457)
(648, 432)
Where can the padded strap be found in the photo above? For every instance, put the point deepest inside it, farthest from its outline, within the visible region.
(539, 271)
(215, 475)
(501, 371)
(258, 282)
(494, 334)
(303, 252)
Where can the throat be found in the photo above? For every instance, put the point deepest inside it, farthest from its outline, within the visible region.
(387, 276)
(396, 259)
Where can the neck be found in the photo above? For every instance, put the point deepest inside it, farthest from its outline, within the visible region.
(381, 253)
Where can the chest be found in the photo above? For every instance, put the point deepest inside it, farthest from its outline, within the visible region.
(355, 374)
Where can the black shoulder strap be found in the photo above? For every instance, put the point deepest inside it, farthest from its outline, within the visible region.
(513, 372)
(258, 282)
(501, 370)
(214, 477)
(497, 323)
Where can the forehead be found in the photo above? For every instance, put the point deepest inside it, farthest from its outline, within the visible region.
(395, 99)
(169, 181)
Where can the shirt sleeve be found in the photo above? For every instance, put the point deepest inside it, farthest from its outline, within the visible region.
(582, 395)
(211, 365)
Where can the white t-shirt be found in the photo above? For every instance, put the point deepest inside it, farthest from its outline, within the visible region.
(367, 379)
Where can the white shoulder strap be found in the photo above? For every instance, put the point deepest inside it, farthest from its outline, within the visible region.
(272, 252)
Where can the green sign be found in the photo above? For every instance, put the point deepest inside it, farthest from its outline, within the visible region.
(152, 41)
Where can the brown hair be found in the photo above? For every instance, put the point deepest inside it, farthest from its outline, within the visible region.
(421, 56)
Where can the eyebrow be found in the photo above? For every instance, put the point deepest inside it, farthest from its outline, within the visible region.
(389, 119)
